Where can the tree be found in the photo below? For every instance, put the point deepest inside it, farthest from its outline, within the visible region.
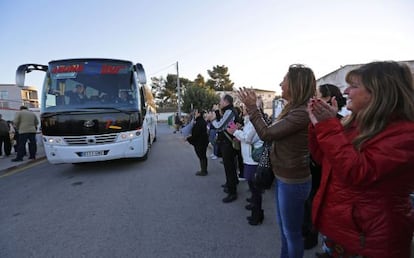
(201, 98)
(220, 79)
(157, 85)
(166, 90)
(199, 81)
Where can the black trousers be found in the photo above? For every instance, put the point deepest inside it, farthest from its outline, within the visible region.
(316, 172)
(256, 195)
(23, 138)
(240, 165)
(200, 151)
(229, 162)
(5, 139)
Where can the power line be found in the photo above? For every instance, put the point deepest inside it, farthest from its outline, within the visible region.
(163, 69)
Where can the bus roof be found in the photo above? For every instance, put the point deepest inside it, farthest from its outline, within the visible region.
(90, 59)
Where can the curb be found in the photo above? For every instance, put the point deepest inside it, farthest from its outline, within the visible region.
(21, 164)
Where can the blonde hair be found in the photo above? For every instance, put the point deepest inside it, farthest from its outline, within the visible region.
(301, 86)
(392, 98)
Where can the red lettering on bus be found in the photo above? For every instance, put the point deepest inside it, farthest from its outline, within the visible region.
(68, 68)
(111, 69)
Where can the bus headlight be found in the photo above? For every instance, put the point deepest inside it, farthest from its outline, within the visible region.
(125, 136)
(53, 140)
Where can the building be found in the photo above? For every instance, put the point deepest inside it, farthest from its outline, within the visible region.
(12, 97)
(337, 77)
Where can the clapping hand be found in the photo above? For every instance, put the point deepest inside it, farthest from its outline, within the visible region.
(319, 110)
(211, 116)
(248, 97)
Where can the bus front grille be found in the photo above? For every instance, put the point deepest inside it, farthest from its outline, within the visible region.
(90, 139)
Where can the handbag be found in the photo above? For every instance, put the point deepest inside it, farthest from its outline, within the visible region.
(257, 152)
(234, 142)
(264, 176)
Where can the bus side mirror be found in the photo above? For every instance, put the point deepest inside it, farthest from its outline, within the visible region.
(20, 75)
(27, 68)
(141, 73)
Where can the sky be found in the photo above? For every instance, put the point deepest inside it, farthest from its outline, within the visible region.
(257, 40)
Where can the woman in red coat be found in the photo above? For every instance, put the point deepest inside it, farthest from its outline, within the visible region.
(363, 205)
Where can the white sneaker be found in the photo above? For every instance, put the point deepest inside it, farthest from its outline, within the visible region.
(214, 157)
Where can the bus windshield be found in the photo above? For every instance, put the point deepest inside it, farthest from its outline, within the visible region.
(82, 84)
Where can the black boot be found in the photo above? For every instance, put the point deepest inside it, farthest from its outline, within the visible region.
(256, 218)
(203, 166)
(230, 198)
(201, 173)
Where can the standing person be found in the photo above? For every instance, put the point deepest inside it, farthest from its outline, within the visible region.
(213, 133)
(199, 139)
(177, 122)
(12, 134)
(239, 120)
(15, 137)
(362, 205)
(212, 137)
(249, 139)
(228, 153)
(26, 123)
(289, 154)
(325, 92)
(4, 137)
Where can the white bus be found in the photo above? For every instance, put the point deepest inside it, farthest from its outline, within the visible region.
(114, 117)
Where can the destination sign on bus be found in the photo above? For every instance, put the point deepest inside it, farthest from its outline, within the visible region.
(91, 68)
(68, 68)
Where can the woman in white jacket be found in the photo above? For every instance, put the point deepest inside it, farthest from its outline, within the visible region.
(249, 140)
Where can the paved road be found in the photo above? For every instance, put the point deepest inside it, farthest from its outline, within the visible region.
(7, 165)
(127, 208)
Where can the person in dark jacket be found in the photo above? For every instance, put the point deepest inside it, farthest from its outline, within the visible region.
(4, 137)
(177, 123)
(221, 120)
(199, 139)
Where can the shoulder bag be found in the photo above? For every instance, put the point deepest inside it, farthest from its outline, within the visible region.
(234, 142)
(264, 176)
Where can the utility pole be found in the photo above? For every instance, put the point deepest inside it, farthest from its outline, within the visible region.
(178, 93)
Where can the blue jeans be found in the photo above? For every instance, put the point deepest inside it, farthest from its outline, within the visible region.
(212, 135)
(290, 208)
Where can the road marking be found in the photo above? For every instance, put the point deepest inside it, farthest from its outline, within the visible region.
(23, 167)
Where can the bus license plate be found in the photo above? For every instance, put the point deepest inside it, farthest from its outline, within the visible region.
(92, 153)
